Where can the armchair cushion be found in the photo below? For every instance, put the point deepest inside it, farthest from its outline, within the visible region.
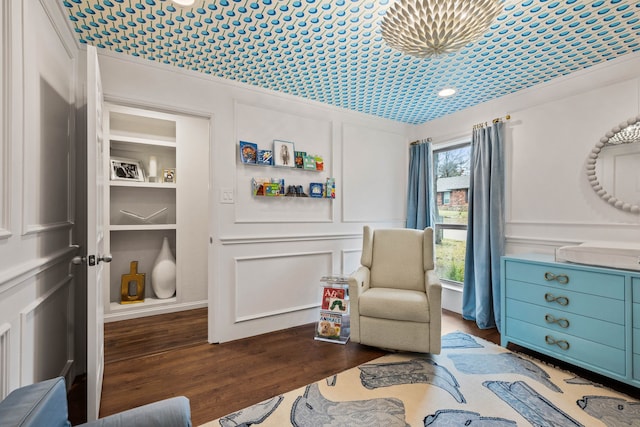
(171, 412)
(394, 304)
(397, 259)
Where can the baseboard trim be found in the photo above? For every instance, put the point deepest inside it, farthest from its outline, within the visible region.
(134, 314)
(452, 298)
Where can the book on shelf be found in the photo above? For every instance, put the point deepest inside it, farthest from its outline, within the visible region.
(299, 158)
(329, 325)
(333, 297)
(248, 152)
(265, 157)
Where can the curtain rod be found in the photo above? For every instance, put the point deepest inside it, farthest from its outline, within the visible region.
(494, 121)
(498, 119)
(420, 141)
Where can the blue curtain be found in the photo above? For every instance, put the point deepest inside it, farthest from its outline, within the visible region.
(485, 232)
(420, 200)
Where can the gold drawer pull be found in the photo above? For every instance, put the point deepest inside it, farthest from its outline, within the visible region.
(563, 344)
(561, 321)
(552, 298)
(563, 279)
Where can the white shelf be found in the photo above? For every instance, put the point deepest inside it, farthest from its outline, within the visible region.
(142, 227)
(119, 137)
(116, 306)
(142, 184)
(140, 213)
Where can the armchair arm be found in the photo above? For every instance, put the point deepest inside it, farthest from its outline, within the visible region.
(358, 283)
(434, 294)
(173, 412)
(40, 404)
(432, 282)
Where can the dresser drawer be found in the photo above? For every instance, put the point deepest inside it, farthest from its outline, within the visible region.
(636, 366)
(543, 339)
(635, 289)
(636, 341)
(608, 285)
(607, 309)
(609, 334)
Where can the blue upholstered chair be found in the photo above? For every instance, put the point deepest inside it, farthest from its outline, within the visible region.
(44, 404)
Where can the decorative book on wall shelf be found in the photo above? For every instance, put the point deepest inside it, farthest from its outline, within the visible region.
(275, 187)
(280, 155)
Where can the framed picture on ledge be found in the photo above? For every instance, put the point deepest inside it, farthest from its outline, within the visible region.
(126, 170)
(283, 154)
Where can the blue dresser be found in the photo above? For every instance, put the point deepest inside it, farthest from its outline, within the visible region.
(586, 316)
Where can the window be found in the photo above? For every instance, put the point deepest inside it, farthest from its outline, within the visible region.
(451, 170)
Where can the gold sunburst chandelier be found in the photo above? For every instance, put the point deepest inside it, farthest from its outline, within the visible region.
(425, 28)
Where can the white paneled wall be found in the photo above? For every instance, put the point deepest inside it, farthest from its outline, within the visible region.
(5, 108)
(268, 285)
(374, 174)
(262, 125)
(38, 90)
(267, 255)
(5, 345)
(551, 133)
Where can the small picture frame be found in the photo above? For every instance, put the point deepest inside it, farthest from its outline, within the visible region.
(126, 169)
(248, 152)
(169, 175)
(283, 154)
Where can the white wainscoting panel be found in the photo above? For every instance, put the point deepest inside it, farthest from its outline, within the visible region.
(49, 93)
(268, 285)
(351, 260)
(5, 117)
(375, 165)
(5, 341)
(44, 325)
(262, 125)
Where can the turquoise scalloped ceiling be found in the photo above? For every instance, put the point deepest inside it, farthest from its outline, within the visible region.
(332, 51)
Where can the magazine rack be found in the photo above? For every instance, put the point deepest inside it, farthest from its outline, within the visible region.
(334, 322)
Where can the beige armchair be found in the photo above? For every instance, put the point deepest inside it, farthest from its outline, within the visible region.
(395, 295)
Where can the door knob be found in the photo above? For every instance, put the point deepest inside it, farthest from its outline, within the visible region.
(77, 260)
(105, 258)
(93, 260)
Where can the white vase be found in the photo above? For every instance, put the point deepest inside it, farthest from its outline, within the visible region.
(163, 274)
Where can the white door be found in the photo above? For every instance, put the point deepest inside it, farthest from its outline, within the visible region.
(95, 236)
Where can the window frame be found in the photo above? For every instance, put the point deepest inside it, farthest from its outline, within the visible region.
(441, 226)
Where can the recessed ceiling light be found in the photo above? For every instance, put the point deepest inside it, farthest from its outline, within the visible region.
(184, 2)
(448, 91)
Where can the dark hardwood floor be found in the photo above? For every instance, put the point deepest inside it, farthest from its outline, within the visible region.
(157, 357)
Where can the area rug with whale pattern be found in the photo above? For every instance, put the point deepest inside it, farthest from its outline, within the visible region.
(471, 383)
